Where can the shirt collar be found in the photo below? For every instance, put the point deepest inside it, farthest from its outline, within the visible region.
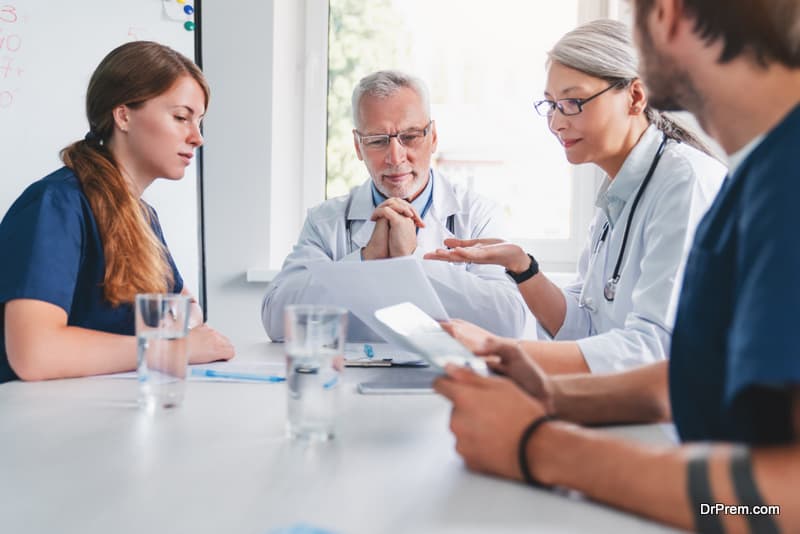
(614, 194)
(738, 157)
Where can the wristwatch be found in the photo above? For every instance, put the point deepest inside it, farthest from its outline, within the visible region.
(528, 273)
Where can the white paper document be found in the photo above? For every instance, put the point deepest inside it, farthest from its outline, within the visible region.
(365, 286)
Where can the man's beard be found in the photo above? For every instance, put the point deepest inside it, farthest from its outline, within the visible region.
(669, 87)
(405, 192)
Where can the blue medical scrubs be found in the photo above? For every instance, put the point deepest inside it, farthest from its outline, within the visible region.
(51, 251)
(736, 343)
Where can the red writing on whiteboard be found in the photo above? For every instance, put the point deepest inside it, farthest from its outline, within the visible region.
(10, 42)
(136, 34)
(6, 99)
(7, 68)
(8, 13)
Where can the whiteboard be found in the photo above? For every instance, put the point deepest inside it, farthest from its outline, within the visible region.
(48, 51)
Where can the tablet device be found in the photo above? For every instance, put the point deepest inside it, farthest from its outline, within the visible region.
(419, 330)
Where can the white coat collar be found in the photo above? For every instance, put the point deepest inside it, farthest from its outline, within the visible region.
(361, 207)
(445, 203)
(614, 194)
(444, 200)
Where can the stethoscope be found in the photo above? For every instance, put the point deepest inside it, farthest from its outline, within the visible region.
(610, 289)
(348, 222)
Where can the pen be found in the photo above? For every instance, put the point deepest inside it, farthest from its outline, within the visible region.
(332, 382)
(213, 373)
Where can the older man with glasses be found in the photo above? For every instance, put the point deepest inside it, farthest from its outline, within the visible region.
(405, 209)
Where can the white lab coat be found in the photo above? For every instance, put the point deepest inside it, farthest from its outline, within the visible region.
(635, 328)
(481, 294)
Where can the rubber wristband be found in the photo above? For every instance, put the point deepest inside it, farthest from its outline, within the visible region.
(530, 272)
(522, 451)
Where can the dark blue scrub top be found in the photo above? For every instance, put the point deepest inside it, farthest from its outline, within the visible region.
(736, 343)
(51, 251)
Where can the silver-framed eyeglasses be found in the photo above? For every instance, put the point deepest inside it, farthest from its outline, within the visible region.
(569, 106)
(411, 138)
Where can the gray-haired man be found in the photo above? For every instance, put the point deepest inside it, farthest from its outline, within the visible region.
(404, 209)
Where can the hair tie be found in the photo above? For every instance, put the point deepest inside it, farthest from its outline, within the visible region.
(91, 137)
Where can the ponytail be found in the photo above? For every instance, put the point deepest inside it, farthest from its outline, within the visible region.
(674, 128)
(135, 259)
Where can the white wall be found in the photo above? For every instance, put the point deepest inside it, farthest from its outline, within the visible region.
(237, 59)
(264, 159)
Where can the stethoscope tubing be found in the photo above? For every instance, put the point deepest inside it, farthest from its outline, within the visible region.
(610, 289)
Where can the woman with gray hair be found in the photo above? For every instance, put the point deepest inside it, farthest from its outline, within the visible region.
(659, 180)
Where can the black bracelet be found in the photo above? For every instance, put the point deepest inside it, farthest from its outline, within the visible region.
(530, 272)
(523, 449)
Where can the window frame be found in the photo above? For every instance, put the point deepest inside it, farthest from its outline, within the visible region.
(301, 34)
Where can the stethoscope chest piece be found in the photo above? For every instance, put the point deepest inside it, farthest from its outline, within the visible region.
(610, 289)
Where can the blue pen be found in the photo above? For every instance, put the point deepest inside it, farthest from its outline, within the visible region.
(330, 383)
(368, 350)
(213, 373)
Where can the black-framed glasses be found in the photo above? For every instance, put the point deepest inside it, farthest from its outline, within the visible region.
(569, 106)
(411, 138)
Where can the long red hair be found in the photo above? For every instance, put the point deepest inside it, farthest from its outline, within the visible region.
(135, 259)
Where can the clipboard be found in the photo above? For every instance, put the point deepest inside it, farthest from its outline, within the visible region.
(380, 355)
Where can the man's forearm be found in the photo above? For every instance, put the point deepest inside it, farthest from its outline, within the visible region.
(637, 396)
(557, 357)
(643, 480)
(654, 481)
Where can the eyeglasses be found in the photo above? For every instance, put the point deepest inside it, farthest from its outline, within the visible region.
(411, 138)
(569, 106)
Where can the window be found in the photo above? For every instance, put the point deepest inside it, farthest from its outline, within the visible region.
(484, 65)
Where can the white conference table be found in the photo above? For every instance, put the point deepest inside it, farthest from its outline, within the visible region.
(79, 456)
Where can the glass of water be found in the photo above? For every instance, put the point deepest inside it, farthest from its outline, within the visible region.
(162, 324)
(315, 337)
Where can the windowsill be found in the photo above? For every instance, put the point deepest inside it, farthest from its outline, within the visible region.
(261, 276)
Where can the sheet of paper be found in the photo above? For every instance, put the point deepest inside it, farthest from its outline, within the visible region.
(365, 286)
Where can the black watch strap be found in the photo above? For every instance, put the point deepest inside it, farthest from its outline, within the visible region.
(528, 273)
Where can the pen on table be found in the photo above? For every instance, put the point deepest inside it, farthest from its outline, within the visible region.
(332, 382)
(368, 350)
(213, 373)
